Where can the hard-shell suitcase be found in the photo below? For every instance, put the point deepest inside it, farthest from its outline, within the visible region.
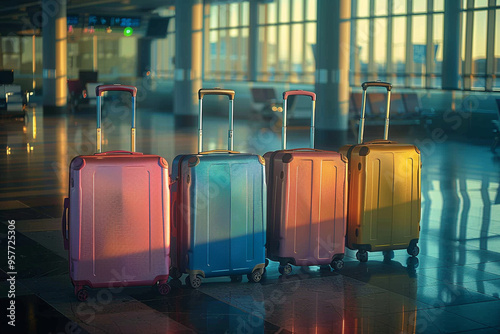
(307, 202)
(117, 232)
(384, 191)
(218, 208)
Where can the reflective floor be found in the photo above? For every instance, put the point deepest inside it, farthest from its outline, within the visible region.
(454, 286)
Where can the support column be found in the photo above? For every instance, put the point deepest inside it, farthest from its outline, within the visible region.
(332, 72)
(55, 55)
(144, 46)
(490, 47)
(450, 73)
(253, 40)
(1, 54)
(188, 60)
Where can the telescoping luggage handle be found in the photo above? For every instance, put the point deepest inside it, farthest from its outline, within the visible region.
(216, 91)
(285, 99)
(122, 88)
(365, 85)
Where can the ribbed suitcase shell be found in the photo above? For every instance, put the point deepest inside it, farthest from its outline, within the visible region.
(384, 195)
(307, 204)
(219, 213)
(119, 231)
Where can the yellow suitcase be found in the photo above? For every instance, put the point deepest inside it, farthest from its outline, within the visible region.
(384, 191)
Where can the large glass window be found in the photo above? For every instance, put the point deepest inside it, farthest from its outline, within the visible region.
(496, 80)
(16, 53)
(394, 40)
(398, 7)
(480, 60)
(437, 52)
(419, 50)
(398, 48)
(226, 55)
(380, 46)
(479, 49)
(163, 50)
(361, 52)
(287, 38)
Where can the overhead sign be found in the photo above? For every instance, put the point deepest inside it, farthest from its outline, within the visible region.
(72, 20)
(113, 21)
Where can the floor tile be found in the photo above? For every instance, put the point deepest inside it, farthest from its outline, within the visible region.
(458, 274)
(448, 294)
(12, 205)
(33, 315)
(489, 267)
(482, 331)
(486, 313)
(489, 288)
(429, 321)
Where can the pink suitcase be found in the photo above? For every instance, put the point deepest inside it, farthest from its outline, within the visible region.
(118, 228)
(307, 203)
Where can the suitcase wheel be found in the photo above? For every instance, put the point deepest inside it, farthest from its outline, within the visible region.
(285, 270)
(337, 264)
(412, 263)
(164, 289)
(255, 276)
(388, 255)
(362, 256)
(413, 251)
(194, 282)
(236, 278)
(81, 293)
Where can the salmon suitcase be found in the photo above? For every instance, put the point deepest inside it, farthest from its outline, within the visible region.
(384, 191)
(118, 226)
(218, 207)
(307, 203)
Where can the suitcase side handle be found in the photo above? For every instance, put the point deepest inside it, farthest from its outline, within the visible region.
(305, 149)
(285, 103)
(381, 141)
(123, 88)
(216, 91)
(119, 152)
(64, 223)
(218, 151)
(365, 85)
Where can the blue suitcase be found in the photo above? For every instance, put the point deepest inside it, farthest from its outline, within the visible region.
(218, 210)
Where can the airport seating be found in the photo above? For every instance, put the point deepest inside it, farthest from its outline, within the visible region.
(264, 102)
(406, 110)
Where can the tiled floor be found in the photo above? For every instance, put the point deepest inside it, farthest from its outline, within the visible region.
(454, 286)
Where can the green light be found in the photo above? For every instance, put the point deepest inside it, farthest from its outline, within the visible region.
(128, 31)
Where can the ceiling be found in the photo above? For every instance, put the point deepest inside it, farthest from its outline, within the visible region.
(17, 15)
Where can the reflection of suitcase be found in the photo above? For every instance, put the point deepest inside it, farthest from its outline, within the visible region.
(118, 229)
(384, 191)
(218, 207)
(364, 313)
(307, 203)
